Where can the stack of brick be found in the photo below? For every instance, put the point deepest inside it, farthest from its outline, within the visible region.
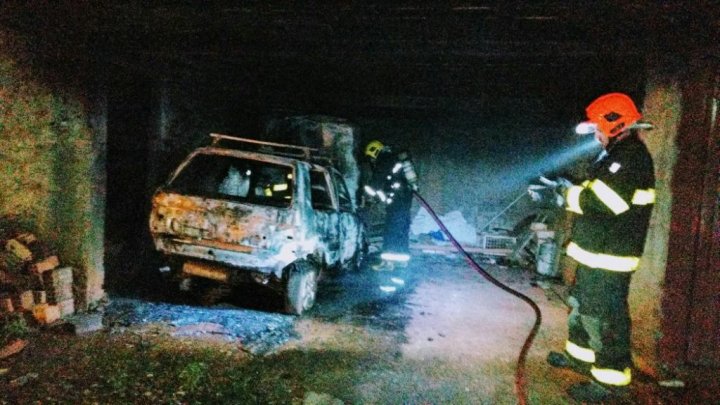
(31, 280)
(59, 286)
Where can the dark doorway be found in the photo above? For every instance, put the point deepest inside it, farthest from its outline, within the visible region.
(129, 129)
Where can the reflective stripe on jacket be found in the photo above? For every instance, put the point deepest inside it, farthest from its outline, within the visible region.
(392, 174)
(614, 206)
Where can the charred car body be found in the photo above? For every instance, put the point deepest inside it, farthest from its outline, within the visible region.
(243, 210)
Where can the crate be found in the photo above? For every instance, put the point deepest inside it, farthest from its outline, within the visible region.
(496, 242)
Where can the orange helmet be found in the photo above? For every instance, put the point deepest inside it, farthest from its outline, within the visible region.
(613, 113)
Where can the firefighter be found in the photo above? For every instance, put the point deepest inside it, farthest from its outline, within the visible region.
(612, 208)
(392, 182)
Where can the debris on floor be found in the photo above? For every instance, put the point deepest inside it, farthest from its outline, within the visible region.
(314, 398)
(20, 381)
(258, 332)
(463, 232)
(12, 348)
(83, 323)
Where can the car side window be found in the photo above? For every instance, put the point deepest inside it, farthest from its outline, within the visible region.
(343, 194)
(320, 192)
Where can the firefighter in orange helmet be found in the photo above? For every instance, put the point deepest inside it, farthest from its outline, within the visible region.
(612, 208)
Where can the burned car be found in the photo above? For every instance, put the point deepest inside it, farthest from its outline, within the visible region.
(243, 210)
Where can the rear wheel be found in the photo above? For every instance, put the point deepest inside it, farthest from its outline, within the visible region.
(301, 287)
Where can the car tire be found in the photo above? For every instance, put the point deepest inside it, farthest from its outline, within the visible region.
(301, 289)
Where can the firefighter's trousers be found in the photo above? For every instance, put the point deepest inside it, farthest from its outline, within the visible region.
(397, 224)
(600, 319)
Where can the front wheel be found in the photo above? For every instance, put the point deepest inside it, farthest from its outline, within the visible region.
(301, 289)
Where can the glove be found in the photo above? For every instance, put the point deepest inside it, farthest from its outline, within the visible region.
(551, 195)
(564, 183)
(549, 183)
(535, 192)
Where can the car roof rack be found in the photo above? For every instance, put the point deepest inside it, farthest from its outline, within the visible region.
(273, 148)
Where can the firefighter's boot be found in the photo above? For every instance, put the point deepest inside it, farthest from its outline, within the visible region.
(384, 265)
(562, 360)
(595, 392)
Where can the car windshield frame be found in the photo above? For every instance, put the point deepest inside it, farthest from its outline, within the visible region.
(237, 179)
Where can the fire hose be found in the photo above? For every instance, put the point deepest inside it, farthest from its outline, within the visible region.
(520, 377)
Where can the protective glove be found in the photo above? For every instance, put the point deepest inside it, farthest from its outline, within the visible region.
(547, 182)
(550, 194)
(564, 183)
(535, 192)
(558, 186)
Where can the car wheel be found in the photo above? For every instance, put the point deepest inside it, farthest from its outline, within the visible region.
(301, 287)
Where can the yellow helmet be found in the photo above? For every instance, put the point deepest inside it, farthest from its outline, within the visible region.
(373, 149)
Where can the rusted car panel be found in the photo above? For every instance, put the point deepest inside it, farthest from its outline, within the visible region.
(254, 212)
(235, 234)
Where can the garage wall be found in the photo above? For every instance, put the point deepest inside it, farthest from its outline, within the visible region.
(674, 294)
(662, 107)
(51, 168)
(476, 166)
(690, 304)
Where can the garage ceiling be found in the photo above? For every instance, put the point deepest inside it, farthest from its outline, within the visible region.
(416, 54)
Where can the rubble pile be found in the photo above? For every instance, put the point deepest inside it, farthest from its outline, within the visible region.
(259, 332)
(32, 280)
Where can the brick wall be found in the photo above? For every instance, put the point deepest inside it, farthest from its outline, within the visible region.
(50, 167)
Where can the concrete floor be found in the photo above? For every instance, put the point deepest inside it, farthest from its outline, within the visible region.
(459, 316)
(445, 335)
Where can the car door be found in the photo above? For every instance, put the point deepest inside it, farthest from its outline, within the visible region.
(348, 221)
(324, 204)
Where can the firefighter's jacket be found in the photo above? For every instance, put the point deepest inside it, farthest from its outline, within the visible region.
(393, 176)
(613, 206)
